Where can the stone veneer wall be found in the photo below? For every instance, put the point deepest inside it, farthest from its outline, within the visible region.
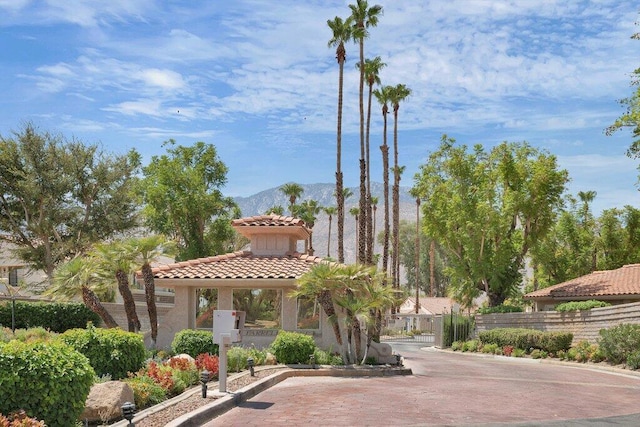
(585, 325)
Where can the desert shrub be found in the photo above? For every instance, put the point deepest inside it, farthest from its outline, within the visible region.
(539, 354)
(457, 345)
(146, 392)
(184, 370)
(471, 345)
(580, 305)
(584, 350)
(327, 357)
(237, 359)
(507, 350)
(56, 317)
(194, 342)
(259, 355)
(526, 339)
(633, 360)
(20, 419)
(518, 352)
(597, 355)
(619, 342)
(50, 381)
(490, 348)
(5, 334)
(208, 362)
(500, 309)
(293, 347)
(38, 334)
(110, 351)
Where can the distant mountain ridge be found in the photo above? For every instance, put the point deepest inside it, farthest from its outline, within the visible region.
(259, 203)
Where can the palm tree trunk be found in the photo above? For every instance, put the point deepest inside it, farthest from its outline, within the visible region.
(92, 301)
(339, 194)
(369, 210)
(129, 304)
(150, 295)
(327, 305)
(329, 239)
(362, 224)
(385, 173)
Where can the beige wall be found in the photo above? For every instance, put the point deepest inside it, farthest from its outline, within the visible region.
(585, 325)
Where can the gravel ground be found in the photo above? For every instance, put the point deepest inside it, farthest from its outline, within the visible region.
(195, 401)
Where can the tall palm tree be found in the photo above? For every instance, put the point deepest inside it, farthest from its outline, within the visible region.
(355, 211)
(147, 250)
(363, 17)
(383, 95)
(78, 277)
(417, 307)
(293, 191)
(308, 211)
(330, 211)
(398, 94)
(341, 33)
(374, 208)
(275, 210)
(372, 69)
(115, 258)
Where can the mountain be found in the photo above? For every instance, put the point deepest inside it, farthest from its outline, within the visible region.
(260, 202)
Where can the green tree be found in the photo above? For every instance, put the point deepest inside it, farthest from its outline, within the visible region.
(355, 212)
(308, 211)
(293, 191)
(487, 209)
(275, 210)
(330, 211)
(383, 95)
(58, 197)
(78, 277)
(183, 200)
(363, 17)
(372, 69)
(631, 116)
(341, 34)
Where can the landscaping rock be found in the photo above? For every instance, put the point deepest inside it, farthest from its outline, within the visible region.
(105, 401)
(184, 356)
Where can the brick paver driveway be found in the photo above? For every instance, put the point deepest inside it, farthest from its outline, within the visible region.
(449, 389)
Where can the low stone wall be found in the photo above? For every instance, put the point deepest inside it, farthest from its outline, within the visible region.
(585, 325)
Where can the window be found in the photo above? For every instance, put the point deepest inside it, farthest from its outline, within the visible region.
(263, 307)
(13, 277)
(207, 301)
(308, 313)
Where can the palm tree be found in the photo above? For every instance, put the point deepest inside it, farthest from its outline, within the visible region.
(307, 211)
(320, 282)
(383, 95)
(355, 211)
(374, 208)
(398, 94)
(341, 33)
(330, 211)
(587, 197)
(146, 250)
(372, 68)
(275, 210)
(115, 258)
(78, 277)
(293, 191)
(363, 17)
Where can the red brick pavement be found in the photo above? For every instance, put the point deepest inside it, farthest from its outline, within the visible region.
(446, 389)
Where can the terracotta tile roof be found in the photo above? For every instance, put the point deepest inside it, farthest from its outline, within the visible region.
(428, 305)
(622, 281)
(268, 221)
(240, 265)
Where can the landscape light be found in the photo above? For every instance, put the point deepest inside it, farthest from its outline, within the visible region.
(128, 410)
(204, 379)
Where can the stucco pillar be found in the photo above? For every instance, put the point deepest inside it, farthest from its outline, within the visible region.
(225, 299)
(289, 312)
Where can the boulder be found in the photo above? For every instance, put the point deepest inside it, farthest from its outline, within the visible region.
(105, 401)
(185, 356)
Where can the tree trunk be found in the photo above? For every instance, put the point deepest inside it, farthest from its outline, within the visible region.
(129, 304)
(385, 175)
(327, 305)
(362, 221)
(150, 295)
(92, 301)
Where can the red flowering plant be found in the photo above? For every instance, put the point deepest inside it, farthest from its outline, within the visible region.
(208, 362)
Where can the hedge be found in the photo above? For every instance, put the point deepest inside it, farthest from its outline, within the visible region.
(56, 317)
(194, 342)
(293, 347)
(527, 339)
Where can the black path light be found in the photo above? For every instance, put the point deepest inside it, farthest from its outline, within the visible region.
(204, 379)
(251, 364)
(128, 410)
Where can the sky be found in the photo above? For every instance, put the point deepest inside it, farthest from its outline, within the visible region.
(258, 80)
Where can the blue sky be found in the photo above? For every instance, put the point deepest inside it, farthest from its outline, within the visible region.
(257, 80)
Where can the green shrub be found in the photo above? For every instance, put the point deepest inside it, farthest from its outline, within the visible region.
(50, 381)
(110, 351)
(194, 342)
(580, 305)
(237, 359)
(539, 354)
(500, 309)
(633, 360)
(56, 317)
(471, 345)
(527, 339)
(619, 342)
(457, 345)
(489, 348)
(146, 392)
(293, 347)
(5, 334)
(324, 357)
(518, 352)
(584, 350)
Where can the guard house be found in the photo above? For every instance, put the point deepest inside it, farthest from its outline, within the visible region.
(257, 281)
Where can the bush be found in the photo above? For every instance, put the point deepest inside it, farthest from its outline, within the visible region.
(500, 309)
(580, 305)
(471, 345)
(489, 348)
(526, 339)
(518, 352)
(110, 351)
(20, 419)
(50, 381)
(539, 354)
(324, 357)
(293, 347)
(633, 360)
(208, 362)
(619, 342)
(146, 392)
(457, 345)
(194, 342)
(56, 317)
(38, 334)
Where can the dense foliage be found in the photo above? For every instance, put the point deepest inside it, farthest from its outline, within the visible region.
(50, 381)
(194, 342)
(456, 328)
(293, 347)
(580, 305)
(527, 339)
(57, 317)
(620, 343)
(503, 308)
(111, 352)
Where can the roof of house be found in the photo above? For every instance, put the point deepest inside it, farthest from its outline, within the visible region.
(239, 265)
(620, 282)
(271, 224)
(428, 305)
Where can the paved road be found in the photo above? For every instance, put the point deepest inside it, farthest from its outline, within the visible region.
(449, 389)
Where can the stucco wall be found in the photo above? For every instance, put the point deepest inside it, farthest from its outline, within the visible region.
(585, 325)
